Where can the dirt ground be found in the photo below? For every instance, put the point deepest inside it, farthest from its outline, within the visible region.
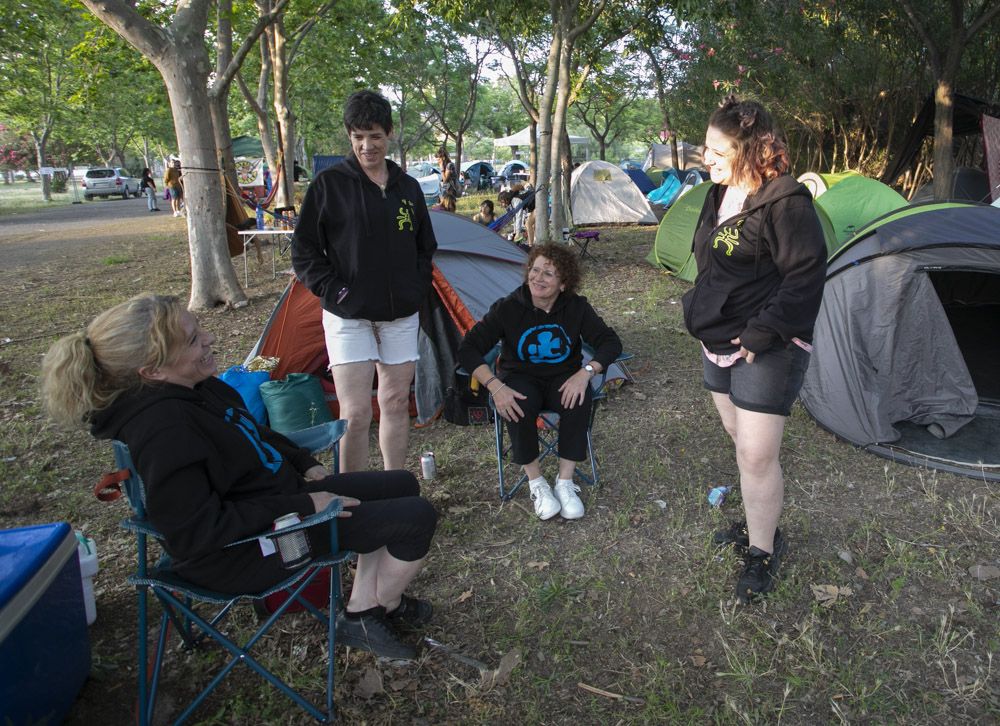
(887, 610)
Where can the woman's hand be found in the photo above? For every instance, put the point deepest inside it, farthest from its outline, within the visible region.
(315, 473)
(321, 500)
(574, 389)
(744, 353)
(505, 401)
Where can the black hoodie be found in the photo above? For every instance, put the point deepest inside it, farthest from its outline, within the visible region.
(212, 475)
(377, 244)
(538, 343)
(760, 273)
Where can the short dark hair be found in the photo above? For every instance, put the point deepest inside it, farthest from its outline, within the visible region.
(761, 152)
(365, 110)
(565, 260)
(488, 204)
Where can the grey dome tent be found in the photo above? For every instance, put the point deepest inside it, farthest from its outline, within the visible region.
(906, 345)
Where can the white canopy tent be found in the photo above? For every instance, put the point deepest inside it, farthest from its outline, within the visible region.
(523, 138)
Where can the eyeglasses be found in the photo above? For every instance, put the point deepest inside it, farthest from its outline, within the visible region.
(544, 274)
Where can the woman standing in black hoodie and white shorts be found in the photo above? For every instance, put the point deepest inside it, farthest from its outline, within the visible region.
(363, 245)
(761, 260)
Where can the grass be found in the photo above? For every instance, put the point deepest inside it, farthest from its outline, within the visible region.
(632, 599)
(21, 197)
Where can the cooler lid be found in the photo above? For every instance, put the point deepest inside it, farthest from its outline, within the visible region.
(23, 552)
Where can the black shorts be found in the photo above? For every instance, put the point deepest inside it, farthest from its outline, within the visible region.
(768, 385)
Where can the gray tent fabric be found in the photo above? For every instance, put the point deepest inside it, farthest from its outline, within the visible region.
(868, 369)
(887, 353)
(480, 267)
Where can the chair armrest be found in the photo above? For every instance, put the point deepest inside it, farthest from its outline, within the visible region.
(319, 438)
(332, 510)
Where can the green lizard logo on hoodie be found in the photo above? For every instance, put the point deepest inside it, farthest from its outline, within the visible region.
(729, 236)
(405, 216)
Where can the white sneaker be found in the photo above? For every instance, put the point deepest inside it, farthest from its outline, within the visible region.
(546, 505)
(572, 507)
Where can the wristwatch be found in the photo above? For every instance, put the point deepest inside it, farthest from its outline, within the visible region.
(590, 369)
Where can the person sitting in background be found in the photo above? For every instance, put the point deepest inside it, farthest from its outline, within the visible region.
(446, 202)
(485, 217)
(143, 373)
(542, 326)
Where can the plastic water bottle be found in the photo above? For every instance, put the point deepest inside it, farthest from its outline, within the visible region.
(87, 552)
(260, 217)
(717, 495)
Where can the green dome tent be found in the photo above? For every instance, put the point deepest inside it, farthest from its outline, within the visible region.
(849, 201)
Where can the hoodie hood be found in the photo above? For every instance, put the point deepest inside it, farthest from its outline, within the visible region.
(109, 422)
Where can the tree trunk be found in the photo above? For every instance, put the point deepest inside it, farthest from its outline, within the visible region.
(543, 221)
(944, 160)
(285, 196)
(558, 130)
(219, 92)
(41, 141)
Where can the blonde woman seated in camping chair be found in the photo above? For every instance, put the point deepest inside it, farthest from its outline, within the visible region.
(143, 373)
(542, 327)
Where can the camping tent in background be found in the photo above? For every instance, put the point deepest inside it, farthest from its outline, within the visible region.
(666, 193)
(674, 236)
(601, 193)
(655, 175)
(672, 247)
(473, 268)
(905, 346)
(660, 156)
(849, 201)
(643, 182)
(968, 184)
(523, 139)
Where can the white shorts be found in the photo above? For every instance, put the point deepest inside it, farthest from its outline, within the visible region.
(357, 340)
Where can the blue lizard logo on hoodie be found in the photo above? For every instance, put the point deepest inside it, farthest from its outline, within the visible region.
(269, 456)
(544, 344)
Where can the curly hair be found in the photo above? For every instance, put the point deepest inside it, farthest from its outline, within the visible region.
(566, 262)
(760, 151)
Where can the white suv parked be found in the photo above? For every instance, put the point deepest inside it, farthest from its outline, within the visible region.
(105, 182)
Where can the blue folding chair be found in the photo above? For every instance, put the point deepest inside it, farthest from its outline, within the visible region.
(548, 433)
(184, 605)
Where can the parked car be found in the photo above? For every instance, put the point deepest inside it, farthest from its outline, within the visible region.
(105, 182)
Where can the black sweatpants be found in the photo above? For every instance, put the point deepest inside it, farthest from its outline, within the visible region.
(543, 395)
(392, 514)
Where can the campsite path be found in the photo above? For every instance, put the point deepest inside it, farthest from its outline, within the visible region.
(87, 229)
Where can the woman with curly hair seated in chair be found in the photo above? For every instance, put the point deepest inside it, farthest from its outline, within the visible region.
(542, 326)
(143, 372)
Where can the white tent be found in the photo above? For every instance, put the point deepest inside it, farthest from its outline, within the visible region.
(601, 193)
(660, 156)
(523, 138)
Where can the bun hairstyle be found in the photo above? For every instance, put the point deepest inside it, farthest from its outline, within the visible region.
(760, 150)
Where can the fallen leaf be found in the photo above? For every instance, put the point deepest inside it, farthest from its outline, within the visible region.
(370, 684)
(846, 556)
(501, 675)
(827, 595)
(698, 661)
(464, 596)
(460, 509)
(984, 572)
(860, 572)
(640, 396)
(398, 684)
(537, 565)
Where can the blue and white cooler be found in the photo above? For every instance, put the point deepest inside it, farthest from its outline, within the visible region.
(44, 648)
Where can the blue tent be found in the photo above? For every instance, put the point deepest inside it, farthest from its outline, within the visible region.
(642, 181)
(667, 190)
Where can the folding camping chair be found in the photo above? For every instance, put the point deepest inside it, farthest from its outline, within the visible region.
(583, 238)
(199, 614)
(548, 434)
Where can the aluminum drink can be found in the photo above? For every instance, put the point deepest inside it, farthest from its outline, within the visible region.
(428, 467)
(294, 546)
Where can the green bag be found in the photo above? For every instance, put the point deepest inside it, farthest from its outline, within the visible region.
(295, 402)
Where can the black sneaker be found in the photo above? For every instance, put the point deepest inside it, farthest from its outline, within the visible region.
(412, 612)
(372, 632)
(760, 570)
(737, 536)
